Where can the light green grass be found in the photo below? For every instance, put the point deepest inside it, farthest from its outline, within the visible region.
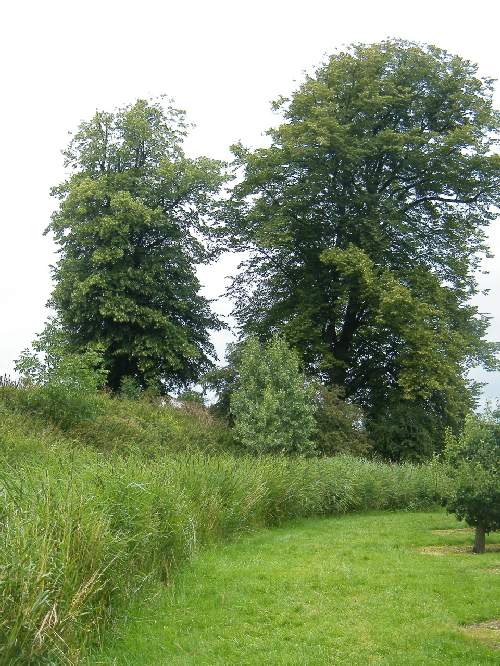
(348, 590)
(92, 513)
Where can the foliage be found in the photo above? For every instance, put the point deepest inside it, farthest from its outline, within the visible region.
(272, 406)
(363, 224)
(340, 425)
(59, 384)
(406, 429)
(474, 461)
(128, 425)
(83, 529)
(222, 381)
(192, 396)
(129, 227)
(130, 388)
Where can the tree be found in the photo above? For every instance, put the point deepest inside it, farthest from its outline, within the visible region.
(474, 467)
(272, 407)
(340, 426)
(363, 224)
(130, 224)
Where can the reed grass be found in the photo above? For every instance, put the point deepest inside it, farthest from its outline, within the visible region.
(84, 526)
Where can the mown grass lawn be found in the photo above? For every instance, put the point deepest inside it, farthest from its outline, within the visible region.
(350, 590)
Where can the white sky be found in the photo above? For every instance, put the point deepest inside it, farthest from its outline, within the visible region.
(221, 60)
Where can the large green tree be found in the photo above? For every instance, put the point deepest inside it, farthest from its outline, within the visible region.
(130, 224)
(364, 222)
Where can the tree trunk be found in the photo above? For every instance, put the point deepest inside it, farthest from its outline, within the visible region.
(479, 540)
(342, 346)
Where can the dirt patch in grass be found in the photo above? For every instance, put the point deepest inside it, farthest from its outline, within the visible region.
(457, 550)
(487, 632)
(456, 530)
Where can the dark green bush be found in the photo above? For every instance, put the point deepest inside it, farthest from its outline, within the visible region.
(340, 426)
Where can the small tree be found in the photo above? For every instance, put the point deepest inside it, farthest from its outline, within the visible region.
(474, 462)
(272, 406)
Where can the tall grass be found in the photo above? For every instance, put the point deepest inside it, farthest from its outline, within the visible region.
(114, 425)
(81, 528)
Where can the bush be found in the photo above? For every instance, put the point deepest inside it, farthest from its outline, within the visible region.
(474, 468)
(123, 426)
(272, 406)
(220, 382)
(192, 397)
(59, 384)
(146, 428)
(405, 430)
(67, 393)
(130, 388)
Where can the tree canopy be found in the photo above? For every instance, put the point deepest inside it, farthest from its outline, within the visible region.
(130, 227)
(364, 223)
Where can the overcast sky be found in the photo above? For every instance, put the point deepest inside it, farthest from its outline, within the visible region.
(223, 61)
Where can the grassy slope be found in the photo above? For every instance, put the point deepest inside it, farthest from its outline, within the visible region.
(92, 512)
(349, 590)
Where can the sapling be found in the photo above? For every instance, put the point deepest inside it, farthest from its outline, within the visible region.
(272, 405)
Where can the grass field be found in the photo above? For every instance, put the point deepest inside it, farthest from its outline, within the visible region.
(362, 589)
(93, 510)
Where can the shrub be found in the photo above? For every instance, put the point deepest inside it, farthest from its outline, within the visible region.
(65, 393)
(474, 467)
(272, 406)
(59, 384)
(220, 382)
(405, 430)
(130, 388)
(146, 428)
(190, 396)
